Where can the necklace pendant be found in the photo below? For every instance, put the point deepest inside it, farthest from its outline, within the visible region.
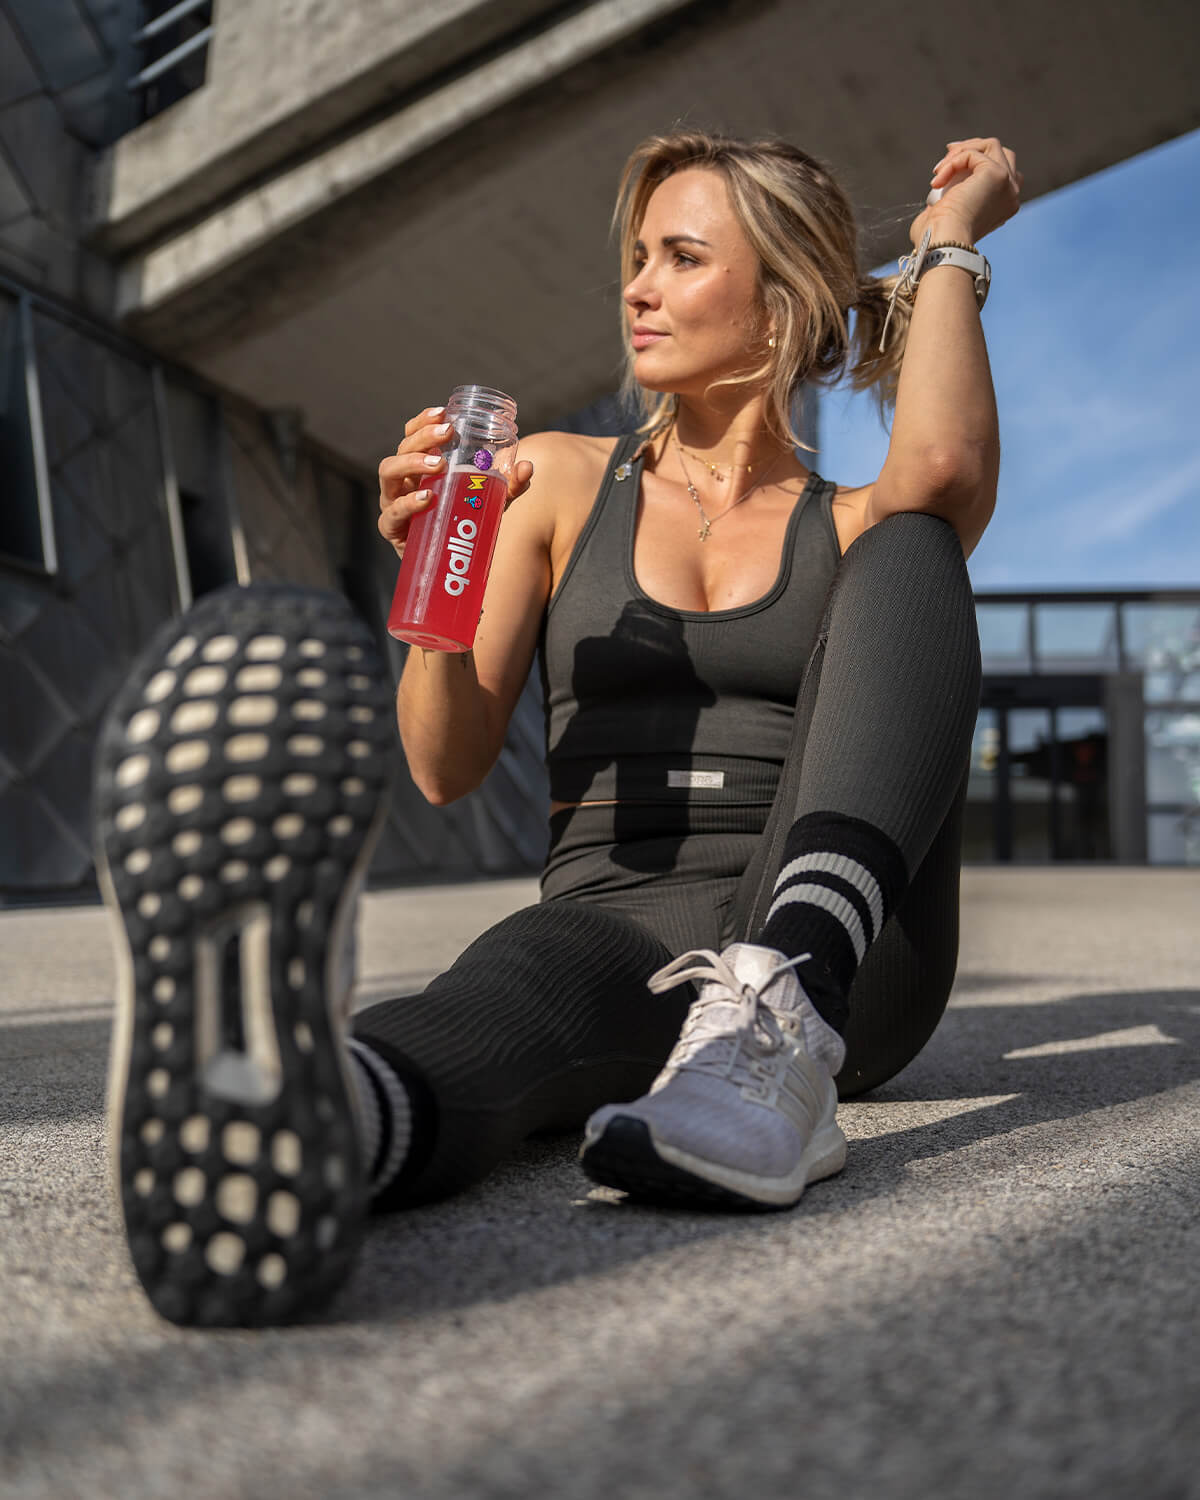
(704, 530)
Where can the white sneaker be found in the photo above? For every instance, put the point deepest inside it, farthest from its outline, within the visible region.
(743, 1113)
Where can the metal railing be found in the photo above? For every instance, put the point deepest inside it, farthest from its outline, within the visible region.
(164, 79)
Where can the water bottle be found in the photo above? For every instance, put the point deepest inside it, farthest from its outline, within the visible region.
(448, 551)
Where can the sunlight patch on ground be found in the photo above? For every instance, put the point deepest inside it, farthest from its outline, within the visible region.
(1131, 1036)
(871, 1119)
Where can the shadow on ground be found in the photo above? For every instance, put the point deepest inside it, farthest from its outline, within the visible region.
(532, 1226)
(966, 1060)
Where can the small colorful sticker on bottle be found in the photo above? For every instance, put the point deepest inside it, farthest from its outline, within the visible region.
(483, 459)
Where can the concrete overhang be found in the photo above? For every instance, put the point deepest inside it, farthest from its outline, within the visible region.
(458, 231)
(283, 80)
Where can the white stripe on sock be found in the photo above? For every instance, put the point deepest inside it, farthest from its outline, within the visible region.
(399, 1114)
(370, 1126)
(840, 907)
(848, 870)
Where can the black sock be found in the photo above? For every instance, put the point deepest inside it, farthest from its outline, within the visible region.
(839, 882)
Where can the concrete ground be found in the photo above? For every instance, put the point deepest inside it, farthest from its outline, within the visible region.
(998, 1297)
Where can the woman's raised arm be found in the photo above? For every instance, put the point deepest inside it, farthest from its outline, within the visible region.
(944, 455)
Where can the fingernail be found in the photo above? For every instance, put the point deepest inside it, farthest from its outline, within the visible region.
(420, 496)
(434, 411)
(432, 460)
(441, 429)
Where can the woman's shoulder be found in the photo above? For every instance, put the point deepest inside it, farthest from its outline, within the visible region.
(568, 468)
(575, 450)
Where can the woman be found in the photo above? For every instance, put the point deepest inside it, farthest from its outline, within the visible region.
(760, 689)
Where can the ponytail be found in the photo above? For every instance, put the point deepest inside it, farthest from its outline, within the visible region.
(866, 366)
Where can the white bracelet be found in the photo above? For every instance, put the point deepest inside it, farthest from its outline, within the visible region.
(913, 267)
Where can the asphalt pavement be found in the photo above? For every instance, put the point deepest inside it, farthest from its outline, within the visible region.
(998, 1297)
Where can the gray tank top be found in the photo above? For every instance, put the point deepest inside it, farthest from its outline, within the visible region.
(645, 703)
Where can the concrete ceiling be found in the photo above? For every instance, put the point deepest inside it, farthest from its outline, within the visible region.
(486, 257)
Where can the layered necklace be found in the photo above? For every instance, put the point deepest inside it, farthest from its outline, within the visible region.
(713, 469)
(710, 521)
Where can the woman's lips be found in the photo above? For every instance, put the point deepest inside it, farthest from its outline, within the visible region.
(643, 337)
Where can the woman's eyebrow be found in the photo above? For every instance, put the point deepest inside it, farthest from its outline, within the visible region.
(669, 240)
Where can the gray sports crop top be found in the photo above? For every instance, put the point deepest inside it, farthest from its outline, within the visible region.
(646, 703)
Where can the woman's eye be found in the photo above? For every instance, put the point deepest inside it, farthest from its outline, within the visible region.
(685, 260)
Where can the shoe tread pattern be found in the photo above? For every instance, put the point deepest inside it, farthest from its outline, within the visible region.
(240, 1213)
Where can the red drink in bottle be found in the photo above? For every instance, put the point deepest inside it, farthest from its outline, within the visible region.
(439, 594)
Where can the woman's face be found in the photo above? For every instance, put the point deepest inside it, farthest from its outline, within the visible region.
(693, 305)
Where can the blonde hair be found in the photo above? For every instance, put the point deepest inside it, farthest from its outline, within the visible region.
(800, 224)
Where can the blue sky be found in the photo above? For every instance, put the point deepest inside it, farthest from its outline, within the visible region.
(1093, 330)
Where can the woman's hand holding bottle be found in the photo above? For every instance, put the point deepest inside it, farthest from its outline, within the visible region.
(418, 459)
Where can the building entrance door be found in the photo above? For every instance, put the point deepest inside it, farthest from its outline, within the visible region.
(1039, 772)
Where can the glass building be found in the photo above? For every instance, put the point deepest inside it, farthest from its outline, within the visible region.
(1088, 740)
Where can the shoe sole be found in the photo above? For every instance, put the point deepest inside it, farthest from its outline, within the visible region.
(625, 1155)
(241, 782)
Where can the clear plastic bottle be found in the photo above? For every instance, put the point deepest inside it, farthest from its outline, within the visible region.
(439, 594)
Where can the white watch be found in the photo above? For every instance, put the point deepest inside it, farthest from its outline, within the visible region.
(913, 266)
(968, 260)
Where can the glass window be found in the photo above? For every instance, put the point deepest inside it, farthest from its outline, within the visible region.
(1078, 723)
(1082, 828)
(1004, 637)
(1075, 637)
(182, 45)
(1164, 641)
(985, 743)
(192, 420)
(979, 834)
(1171, 687)
(1173, 838)
(21, 531)
(1173, 757)
(1031, 770)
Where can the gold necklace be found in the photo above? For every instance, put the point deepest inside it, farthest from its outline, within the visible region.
(713, 469)
(710, 521)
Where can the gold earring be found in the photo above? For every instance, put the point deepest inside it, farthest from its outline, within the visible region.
(771, 342)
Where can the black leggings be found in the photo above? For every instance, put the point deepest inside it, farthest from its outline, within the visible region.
(547, 1016)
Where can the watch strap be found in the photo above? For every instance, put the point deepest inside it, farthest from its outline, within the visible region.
(948, 254)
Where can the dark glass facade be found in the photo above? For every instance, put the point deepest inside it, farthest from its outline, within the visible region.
(1088, 740)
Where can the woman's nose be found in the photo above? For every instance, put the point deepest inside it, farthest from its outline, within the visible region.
(640, 292)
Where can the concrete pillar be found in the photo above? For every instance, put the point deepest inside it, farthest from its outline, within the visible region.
(1125, 708)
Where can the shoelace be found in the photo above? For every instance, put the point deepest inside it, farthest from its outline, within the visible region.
(754, 1020)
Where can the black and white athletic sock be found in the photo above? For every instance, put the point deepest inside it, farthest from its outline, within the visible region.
(840, 880)
(385, 1115)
